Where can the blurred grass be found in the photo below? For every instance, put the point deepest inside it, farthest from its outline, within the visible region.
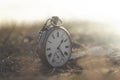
(18, 57)
(17, 48)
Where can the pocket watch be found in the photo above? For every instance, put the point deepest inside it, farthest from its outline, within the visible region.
(54, 47)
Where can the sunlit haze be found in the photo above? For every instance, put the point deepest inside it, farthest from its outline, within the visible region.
(94, 10)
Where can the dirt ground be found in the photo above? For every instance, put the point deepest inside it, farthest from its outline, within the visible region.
(95, 53)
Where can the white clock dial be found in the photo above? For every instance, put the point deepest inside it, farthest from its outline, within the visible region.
(58, 47)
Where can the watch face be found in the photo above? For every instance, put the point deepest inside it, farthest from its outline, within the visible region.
(58, 47)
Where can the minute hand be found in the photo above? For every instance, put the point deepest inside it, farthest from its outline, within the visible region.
(60, 44)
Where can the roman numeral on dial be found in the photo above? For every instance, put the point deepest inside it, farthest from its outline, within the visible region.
(48, 49)
(53, 60)
(66, 46)
(65, 40)
(65, 53)
(50, 54)
(53, 36)
(49, 41)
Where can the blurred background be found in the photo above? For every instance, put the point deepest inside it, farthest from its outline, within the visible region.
(106, 11)
(97, 10)
(94, 26)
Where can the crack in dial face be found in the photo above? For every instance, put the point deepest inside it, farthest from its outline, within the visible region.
(58, 47)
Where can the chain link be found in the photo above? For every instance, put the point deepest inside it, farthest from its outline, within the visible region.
(54, 21)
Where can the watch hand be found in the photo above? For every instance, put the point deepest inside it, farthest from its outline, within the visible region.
(61, 52)
(60, 44)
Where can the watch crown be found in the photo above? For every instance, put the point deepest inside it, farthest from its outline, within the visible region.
(55, 19)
